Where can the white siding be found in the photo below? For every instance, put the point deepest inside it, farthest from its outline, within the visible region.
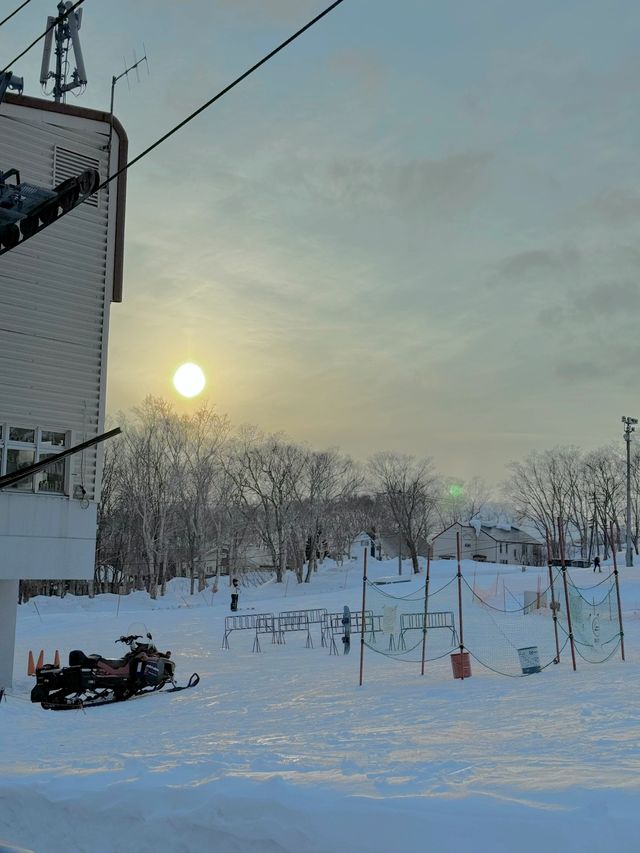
(55, 294)
(56, 289)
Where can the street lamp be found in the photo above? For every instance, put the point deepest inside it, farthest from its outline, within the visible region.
(628, 429)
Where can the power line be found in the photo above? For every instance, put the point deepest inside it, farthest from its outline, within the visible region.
(50, 27)
(222, 92)
(26, 3)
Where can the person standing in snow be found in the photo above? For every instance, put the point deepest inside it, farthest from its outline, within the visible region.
(235, 593)
(596, 564)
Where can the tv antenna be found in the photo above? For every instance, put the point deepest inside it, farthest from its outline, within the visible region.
(66, 35)
(136, 64)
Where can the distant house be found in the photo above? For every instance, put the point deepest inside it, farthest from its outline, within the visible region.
(382, 546)
(488, 544)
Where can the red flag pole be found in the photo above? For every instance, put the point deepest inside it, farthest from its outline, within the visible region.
(426, 607)
(615, 576)
(566, 591)
(554, 609)
(364, 595)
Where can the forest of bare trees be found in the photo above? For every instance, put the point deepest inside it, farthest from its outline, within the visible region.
(187, 495)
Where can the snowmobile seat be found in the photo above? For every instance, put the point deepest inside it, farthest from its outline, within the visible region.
(78, 658)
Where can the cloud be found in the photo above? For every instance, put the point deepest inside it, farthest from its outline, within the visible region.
(617, 207)
(362, 68)
(441, 186)
(577, 371)
(618, 297)
(539, 264)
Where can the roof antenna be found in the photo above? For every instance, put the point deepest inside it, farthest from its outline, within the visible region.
(114, 80)
(66, 34)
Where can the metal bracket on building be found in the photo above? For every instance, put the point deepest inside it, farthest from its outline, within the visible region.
(10, 81)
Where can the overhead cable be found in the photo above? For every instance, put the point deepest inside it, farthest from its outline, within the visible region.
(50, 27)
(26, 3)
(222, 92)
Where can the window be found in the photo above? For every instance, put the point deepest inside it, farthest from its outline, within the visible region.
(55, 439)
(16, 460)
(52, 478)
(22, 434)
(21, 446)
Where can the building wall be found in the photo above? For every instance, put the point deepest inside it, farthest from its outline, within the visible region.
(55, 296)
(56, 289)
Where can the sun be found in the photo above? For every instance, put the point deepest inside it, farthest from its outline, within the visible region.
(189, 380)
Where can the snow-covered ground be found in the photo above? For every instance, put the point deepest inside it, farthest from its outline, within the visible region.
(283, 752)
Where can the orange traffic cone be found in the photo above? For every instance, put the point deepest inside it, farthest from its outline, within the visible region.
(40, 663)
(56, 659)
(31, 667)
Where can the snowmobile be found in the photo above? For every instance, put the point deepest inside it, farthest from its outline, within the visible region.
(95, 680)
(26, 208)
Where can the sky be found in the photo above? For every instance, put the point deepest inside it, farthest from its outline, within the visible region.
(416, 229)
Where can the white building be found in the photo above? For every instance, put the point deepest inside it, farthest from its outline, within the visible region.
(487, 543)
(55, 296)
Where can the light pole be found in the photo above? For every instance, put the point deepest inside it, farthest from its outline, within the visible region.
(628, 429)
(400, 552)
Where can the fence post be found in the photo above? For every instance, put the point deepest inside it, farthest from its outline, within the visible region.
(426, 608)
(364, 595)
(566, 592)
(615, 576)
(554, 609)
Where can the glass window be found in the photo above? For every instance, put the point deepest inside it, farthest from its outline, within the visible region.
(52, 478)
(1, 431)
(18, 459)
(22, 434)
(52, 439)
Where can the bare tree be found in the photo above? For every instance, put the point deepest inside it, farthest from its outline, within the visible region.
(460, 501)
(543, 489)
(410, 488)
(328, 478)
(195, 443)
(147, 478)
(267, 471)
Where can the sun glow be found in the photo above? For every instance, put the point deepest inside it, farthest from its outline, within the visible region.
(189, 380)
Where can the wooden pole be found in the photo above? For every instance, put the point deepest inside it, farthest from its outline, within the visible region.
(615, 576)
(460, 605)
(426, 608)
(364, 596)
(554, 609)
(566, 592)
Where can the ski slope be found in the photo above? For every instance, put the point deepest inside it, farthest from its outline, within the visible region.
(283, 752)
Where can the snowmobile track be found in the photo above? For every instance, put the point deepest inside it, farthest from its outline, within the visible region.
(194, 680)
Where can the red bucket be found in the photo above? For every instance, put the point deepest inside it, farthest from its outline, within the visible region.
(461, 665)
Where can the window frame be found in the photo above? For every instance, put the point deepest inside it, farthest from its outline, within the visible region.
(40, 450)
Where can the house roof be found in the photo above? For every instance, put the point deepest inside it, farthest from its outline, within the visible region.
(498, 534)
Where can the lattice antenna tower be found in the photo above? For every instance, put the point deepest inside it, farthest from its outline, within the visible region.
(66, 36)
(114, 80)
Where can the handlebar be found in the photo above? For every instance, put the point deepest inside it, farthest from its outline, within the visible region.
(128, 640)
